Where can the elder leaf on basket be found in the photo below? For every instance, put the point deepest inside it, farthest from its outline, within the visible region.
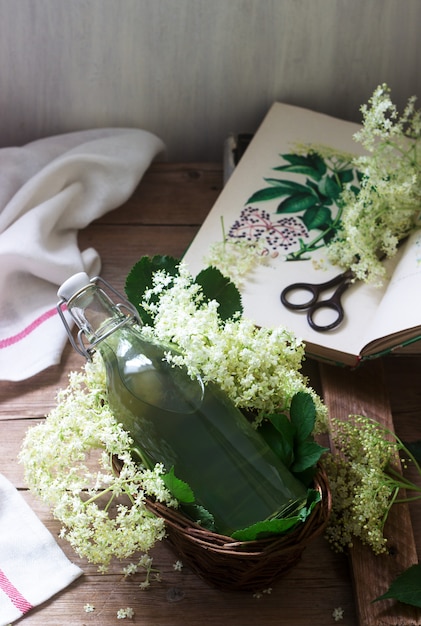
(178, 488)
(292, 438)
(281, 525)
(184, 494)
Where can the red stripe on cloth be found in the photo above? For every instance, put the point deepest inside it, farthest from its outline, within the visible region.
(9, 341)
(14, 595)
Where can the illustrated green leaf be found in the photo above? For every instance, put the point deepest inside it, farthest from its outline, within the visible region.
(290, 186)
(268, 193)
(307, 170)
(278, 433)
(346, 176)
(140, 278)
(307, 454)
(302, 415)
(216, 286)
(317, 217)
(313, 160)
(278, 189)
(178, 488)
(329, 187)
(298, 203)
(406, 588)
(295, 159)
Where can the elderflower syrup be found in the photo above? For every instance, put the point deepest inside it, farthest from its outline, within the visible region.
(178, 421)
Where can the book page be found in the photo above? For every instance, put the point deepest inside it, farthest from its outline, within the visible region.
(400, 306)
(255, 207)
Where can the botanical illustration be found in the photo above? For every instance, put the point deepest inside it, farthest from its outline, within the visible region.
(308, 213)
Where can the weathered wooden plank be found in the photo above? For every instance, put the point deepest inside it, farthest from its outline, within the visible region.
(120, 246)
(364, 392)
(402, 374)
(171, 193)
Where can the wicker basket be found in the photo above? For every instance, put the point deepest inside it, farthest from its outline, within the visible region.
(242, 566)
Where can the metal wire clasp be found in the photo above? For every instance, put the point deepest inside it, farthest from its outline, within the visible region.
(80, 346)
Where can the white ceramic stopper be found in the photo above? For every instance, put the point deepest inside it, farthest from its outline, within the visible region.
(72, 285)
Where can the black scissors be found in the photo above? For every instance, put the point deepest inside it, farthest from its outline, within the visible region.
(313, 304)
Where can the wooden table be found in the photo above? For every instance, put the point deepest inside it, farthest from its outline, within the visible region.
(162, 217)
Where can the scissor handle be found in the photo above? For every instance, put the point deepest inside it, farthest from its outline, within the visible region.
(314, 289)
(333, 303)
(313, 304)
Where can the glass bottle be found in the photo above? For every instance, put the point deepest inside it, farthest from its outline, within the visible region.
(176, 420)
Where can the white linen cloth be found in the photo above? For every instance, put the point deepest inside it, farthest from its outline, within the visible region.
(33, 567)
(49, 189)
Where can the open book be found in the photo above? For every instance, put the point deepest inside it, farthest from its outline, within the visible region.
(283, 196)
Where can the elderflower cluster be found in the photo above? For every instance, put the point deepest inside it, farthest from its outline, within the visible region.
(257, 367)
(363, 482)
(387, 207)
(236, 259)
(68, 462)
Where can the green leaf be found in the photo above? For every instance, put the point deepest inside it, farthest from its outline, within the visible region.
(140, 278)
(279, 189)
(300, 169)
(298, 203)
(279, 526)
(265, 529)
(317, 217)
(329, 187)
(346, 176)
(200, 515)
(178, 488)
(278, 433)
(307, 454)
(314, 161)
(406, 588)
(216, 286)
(302, 415)
(289, 186)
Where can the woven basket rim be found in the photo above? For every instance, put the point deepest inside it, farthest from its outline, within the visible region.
(231, 565)
(302, 534)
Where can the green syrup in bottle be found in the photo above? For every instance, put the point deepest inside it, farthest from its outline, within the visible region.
(180, 422)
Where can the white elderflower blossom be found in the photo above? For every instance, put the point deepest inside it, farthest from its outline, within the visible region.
(127, 613)
(364, 482)
(338, 614)
(94, 503)
(236, 259)
(387, 207)
(259, 368)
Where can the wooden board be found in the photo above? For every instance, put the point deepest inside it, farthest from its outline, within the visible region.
(363, 392)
